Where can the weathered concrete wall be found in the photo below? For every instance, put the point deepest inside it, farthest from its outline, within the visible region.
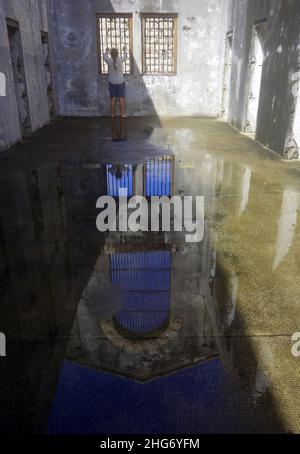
(276, 105)
(32, 18)
(195, 90)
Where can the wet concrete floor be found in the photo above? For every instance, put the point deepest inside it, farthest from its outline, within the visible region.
(143, 332)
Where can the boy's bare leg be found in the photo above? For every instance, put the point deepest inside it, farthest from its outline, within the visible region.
(113, 107)
(122, 107)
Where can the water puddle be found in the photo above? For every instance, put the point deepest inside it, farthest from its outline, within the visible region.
(124, 332)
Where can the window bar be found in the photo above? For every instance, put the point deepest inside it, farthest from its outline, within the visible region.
(103, 69)
(164, 48)
(119, 37)
(157, 42)
(101, 45)
(105, 41)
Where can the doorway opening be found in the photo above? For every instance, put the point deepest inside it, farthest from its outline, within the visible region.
(227, 75)
(292, 147)
(48, 73)
(255, 74)
(17, 62)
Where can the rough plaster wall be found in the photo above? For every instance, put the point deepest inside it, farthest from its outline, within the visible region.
(9, 119)
(276, 100)
(195, 90)
(32, 18)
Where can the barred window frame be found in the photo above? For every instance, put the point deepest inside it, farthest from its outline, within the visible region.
(101, 48)
(166, 16)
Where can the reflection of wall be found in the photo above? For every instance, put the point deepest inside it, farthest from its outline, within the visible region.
(194, 91)
(48, 244)
(286, 225)
(37, 285)
(34, 248)
(245, 190)
(107, 335)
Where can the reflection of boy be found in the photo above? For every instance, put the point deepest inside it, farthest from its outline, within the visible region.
(118, 134)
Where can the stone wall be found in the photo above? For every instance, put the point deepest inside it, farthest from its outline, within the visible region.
(195, 90)
(32, 18)
(281, 50)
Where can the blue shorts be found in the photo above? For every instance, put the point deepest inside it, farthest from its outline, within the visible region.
(117, 90)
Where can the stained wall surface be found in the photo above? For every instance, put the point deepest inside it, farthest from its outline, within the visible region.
(195, 90)
(32, 19)
(280, 66)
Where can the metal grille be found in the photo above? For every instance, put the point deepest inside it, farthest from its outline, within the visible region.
(145, 281)
(158, 174)
(119, 177)
(114, 30)
(159, 44)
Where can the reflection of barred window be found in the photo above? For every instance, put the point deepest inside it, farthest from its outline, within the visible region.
(119, 177)
(144, 279)
(159, 33)
(114, 30)
(159, 177)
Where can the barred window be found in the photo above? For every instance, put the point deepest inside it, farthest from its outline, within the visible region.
(114, 30)
(159, 177)
(159, 32)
